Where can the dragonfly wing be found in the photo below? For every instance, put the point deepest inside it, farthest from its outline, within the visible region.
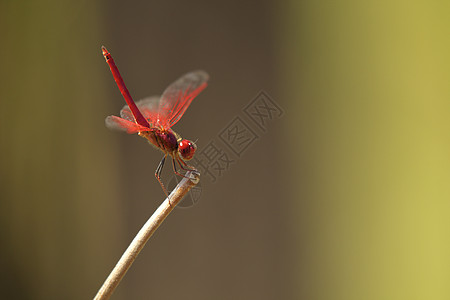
(149, 108)
(126, 114)
(116, 123)
(179, 95)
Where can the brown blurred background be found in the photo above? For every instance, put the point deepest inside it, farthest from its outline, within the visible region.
(345, 196)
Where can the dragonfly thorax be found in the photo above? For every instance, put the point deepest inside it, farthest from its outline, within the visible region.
(168, 142)
(164, 140)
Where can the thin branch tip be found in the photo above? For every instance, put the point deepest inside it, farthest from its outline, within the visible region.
(194, 176)
(191, 179)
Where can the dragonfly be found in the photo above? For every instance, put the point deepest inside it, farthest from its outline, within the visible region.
(152, 118)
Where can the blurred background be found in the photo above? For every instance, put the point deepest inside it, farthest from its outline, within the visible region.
(344, 194)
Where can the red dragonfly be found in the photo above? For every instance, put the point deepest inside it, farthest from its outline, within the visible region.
(153, 117)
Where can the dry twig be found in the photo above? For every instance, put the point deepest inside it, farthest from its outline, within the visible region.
(122, 266)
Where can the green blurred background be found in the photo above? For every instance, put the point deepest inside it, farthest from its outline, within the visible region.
(344, 197)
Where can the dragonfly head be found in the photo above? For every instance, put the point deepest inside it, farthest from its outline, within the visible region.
(186, 149)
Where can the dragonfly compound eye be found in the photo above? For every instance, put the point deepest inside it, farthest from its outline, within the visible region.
(186, 149)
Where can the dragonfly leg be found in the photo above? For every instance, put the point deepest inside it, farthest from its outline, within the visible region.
(175, 168)
(160, 166)
(158, 175)
(184, 165)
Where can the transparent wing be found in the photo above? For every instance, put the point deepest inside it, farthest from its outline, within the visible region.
(179, 95)
(147, 106)
(126, 114)
(116, 123)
